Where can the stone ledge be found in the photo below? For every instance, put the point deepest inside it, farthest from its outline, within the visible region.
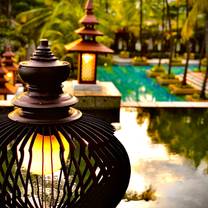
(102, 98)
(179, 104)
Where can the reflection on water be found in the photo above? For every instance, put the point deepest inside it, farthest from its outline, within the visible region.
(183, 132)
(168, 150)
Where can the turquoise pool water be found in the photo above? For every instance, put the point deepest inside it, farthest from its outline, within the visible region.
(134, 85)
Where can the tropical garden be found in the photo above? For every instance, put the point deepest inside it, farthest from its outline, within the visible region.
(138, 29)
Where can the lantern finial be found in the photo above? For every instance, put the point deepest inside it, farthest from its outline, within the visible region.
(89, 5)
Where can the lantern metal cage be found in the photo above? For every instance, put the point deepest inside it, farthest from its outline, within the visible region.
(52, 155)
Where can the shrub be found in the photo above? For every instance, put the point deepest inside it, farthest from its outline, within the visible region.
(124, 54)
(105, 59)
(139, 59)
(180, 85)
(177, 60)
(196, 96)
(204, 61)
(158, 68)
(168, 76)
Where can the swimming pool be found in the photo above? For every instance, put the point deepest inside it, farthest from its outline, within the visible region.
(134, 85)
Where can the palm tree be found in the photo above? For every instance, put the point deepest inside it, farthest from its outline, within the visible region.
(55, 21)
(199, 7)
(121, 14)
(201, 54)
(162, 31)
(177, 23)
(203, 90)
(171, 37)
(140, 25)
(187, 49)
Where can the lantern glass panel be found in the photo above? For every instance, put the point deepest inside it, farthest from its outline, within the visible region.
(88, 67)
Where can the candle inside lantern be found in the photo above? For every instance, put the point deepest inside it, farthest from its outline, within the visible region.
(88, 66)
(45, 154)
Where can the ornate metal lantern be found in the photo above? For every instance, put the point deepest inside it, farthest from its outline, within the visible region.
(88, 47)
(52, 155)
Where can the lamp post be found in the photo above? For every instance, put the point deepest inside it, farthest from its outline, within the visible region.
(88, 47)
(52, 155)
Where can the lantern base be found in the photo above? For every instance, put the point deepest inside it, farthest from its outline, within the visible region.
(86, 87)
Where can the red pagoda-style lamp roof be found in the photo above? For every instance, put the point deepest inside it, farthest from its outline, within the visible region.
(87, 46)
(8, 55)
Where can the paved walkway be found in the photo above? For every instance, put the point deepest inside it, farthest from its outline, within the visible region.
(195, 79)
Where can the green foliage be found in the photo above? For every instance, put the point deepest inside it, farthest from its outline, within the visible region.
(147, 195)
(167, 76)
(158, 68)
(204, 61)
(138, 59)
(121, 14)
(177, 60)
(196, 96)
(199, 7)
(124, 54)
(105, 60)
(55, 20)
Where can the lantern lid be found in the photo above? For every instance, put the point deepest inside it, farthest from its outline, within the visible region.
(44, 102)
(89, 17)
(87, 46)
(43, 57)
(89, 5)
(86, 31)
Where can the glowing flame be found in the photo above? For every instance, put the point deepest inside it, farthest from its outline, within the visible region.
(45, 154)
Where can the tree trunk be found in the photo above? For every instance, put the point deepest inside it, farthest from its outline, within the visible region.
(140, 25)
(106, 6)
(9, 8)
(162, 31)
(187, 50)
(203, 93)
(177, 29)
(201, 54)
(187, 62)
(171, 37)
